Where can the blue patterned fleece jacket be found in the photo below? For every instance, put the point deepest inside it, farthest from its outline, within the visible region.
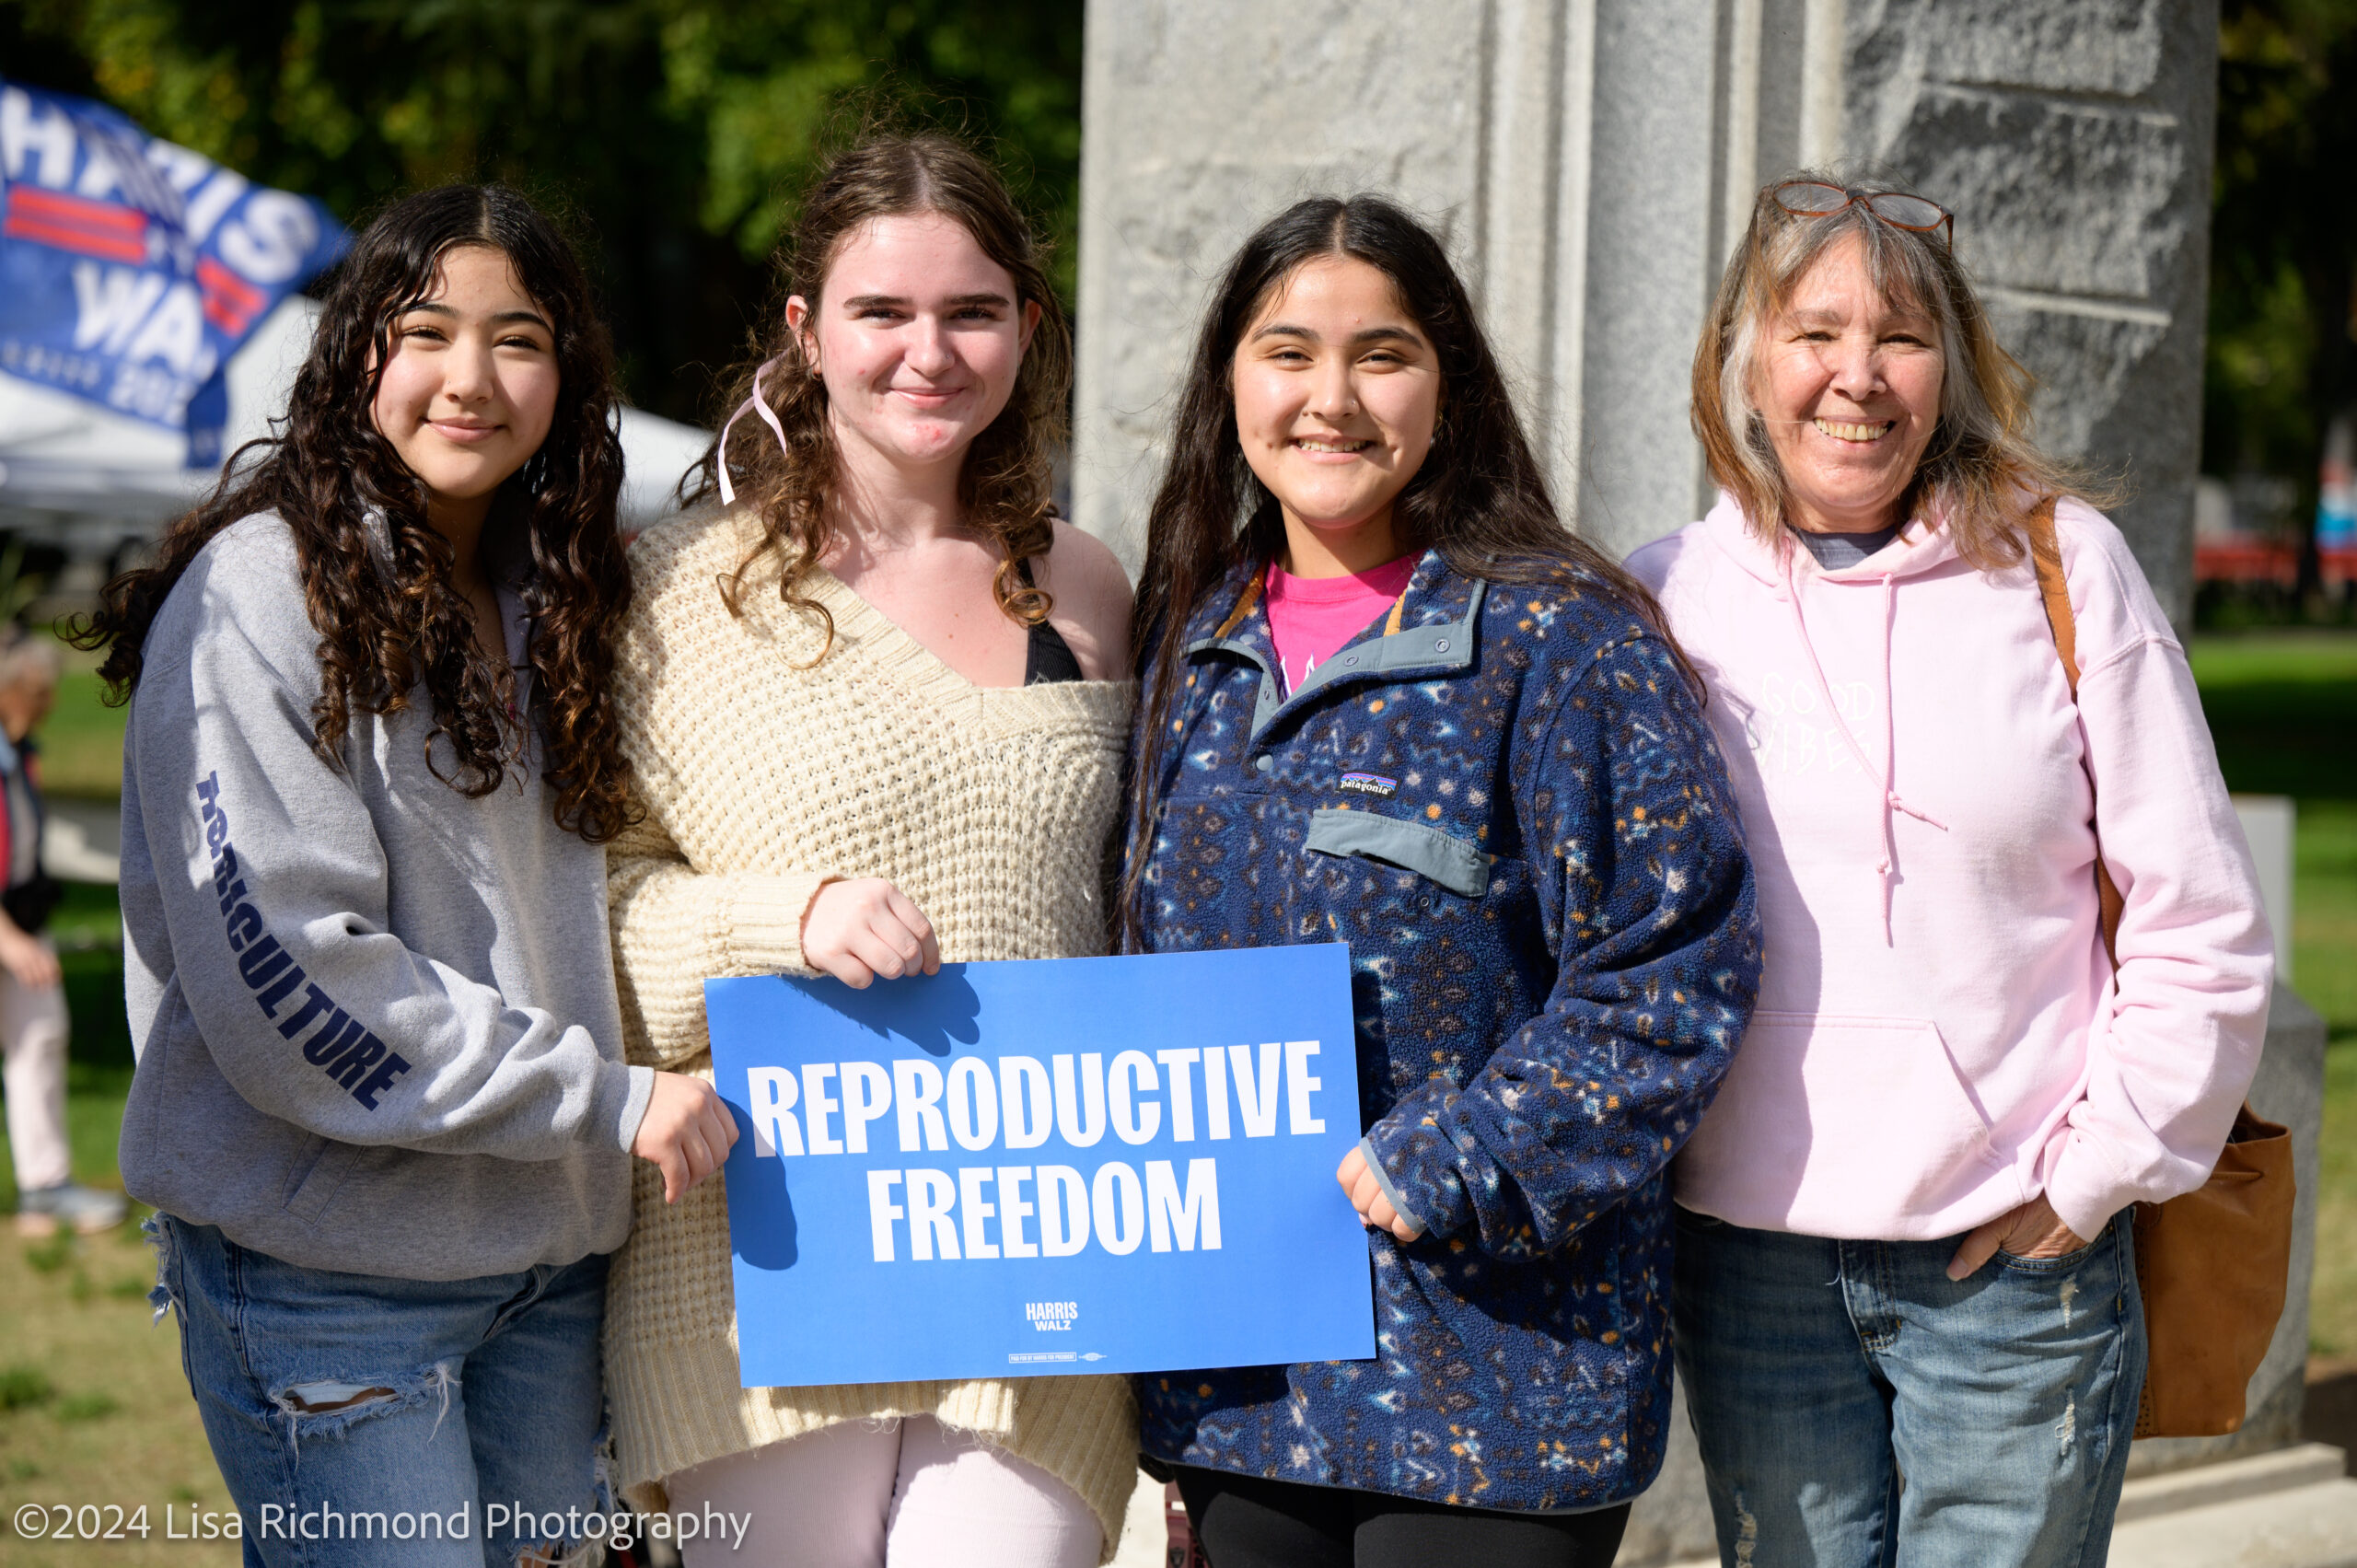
(1506, 799)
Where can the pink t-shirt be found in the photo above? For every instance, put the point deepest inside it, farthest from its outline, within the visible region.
(1311, 618)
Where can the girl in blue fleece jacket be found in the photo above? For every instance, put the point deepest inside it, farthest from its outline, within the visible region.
(1502, 793)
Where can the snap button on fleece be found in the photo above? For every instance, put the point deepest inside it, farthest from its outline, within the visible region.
(1441, 646)
(1351, 659)
(1266, 763)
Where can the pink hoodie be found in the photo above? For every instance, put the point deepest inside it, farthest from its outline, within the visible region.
(1939, 1036)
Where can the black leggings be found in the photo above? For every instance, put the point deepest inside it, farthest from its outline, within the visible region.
(1245, 1521)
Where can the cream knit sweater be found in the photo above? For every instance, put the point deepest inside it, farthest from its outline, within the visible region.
(766, 771)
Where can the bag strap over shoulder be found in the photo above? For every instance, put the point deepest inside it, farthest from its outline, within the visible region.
(2046, 556)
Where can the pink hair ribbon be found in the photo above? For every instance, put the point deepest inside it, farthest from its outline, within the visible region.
(760, 405)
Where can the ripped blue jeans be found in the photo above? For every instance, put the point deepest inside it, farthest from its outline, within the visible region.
(360, 1419)
(1857, 1409)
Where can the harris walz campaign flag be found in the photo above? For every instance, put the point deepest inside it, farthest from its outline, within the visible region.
(130, 269)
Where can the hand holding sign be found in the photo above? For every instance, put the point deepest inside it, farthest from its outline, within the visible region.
(865, 927)
(1366, 1196)
(685, 1130)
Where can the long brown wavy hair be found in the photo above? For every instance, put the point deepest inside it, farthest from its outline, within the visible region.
(1981, 467)
(1480, 497)
(1005, 485)
(388, 616)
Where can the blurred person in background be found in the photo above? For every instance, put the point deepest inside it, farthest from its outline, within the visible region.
(32, 992)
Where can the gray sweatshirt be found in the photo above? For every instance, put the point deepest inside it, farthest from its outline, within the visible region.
(376, 1020)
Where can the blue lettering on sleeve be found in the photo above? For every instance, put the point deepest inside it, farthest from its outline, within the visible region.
(347, 1068)
(392, 1067)
(342, 1047)
(244, 926)
(314, 1002)
(261, 963)
(269, 996)
(336, 1036)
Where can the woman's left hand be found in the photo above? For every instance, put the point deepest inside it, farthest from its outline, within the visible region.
(2033, 1230)
(1366, 1196)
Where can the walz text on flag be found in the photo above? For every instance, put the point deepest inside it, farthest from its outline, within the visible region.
(130, 269)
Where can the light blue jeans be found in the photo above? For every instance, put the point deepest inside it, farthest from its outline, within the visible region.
(1858, 1409)
(362, 1420)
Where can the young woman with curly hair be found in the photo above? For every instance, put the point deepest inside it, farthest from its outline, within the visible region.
(381, 1107)
(873, 707)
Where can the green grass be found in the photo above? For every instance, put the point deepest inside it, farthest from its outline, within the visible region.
(86, 917)
(2282, 707)
(2332, 1297)
(81, 744)
(94, 1409)
(93, 1405)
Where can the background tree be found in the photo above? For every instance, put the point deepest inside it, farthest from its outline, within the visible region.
(672, 134)
(2283, 239)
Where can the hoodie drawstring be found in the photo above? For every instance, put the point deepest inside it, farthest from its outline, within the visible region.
(1891, 801)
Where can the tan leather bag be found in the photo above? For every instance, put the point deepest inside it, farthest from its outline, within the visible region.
(2211, 1263)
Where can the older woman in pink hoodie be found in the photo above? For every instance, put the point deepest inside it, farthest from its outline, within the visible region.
(1904, 1238)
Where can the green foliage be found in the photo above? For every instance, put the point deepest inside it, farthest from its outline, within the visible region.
(2283, 237)
(771, 82)
(673, 133)
(2282, 709)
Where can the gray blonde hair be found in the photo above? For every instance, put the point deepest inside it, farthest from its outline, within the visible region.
(25, 655)
(1980, 466)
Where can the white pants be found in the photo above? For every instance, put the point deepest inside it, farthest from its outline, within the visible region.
(32, 1036)
(887, 1494)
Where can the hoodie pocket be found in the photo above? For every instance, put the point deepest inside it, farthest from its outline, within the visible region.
(316, 1175)
(1440, 857)
(1834, 1125)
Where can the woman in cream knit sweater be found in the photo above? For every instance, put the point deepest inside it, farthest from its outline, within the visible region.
(871, 717)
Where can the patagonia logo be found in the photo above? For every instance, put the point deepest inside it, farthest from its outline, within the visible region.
(1375, 785)
(340, 1045)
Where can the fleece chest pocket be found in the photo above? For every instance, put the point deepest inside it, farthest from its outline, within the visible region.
(1443, 858)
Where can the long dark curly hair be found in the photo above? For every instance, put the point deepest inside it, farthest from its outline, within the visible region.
(387, 613)
(1480, 497)
(1005, 485)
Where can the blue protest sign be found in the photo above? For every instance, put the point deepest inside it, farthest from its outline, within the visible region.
(130, 268)
(1065, 1165)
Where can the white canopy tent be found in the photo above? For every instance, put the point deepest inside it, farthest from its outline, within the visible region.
(77, 476)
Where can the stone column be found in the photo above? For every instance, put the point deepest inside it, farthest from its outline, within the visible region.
(1590, 165)
(1574, 157)
(2072, 139)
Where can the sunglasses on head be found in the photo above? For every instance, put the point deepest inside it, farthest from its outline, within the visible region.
(1815, 198)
